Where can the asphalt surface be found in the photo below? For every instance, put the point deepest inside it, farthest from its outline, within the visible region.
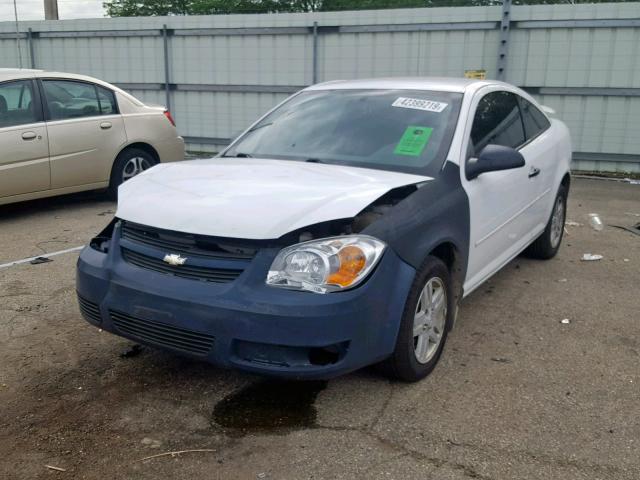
(517, 395)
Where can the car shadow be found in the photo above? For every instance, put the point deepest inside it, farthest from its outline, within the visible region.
(54, 204)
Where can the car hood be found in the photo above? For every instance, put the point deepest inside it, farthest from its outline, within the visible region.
(251, 198)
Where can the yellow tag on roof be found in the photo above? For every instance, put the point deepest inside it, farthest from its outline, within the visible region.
(477, 74)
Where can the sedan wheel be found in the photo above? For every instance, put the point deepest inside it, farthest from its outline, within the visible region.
(133, 167)
(130, 162)
(426, 320)
(557, 222)
(429, 320)
(548, 243)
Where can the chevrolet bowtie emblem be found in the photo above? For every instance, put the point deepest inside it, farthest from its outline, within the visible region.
(174, 259)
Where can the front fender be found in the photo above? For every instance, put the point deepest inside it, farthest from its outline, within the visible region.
(437, 213)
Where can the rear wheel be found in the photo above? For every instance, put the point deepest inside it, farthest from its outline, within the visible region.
(546, 246)
(129, 163)
(426, 320)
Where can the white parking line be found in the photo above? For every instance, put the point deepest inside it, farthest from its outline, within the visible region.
(45, 255)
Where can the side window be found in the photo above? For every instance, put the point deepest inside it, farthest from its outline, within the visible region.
(534, 120)
(17, 106)
(497, 121)
(107, 101)
(68, 99)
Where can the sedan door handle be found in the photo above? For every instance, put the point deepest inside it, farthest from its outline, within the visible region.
(533, 172)
(105, 125)
(29, 135)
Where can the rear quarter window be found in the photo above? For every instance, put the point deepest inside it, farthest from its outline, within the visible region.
(535, 122)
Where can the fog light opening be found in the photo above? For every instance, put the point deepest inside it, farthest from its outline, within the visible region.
(322, 356)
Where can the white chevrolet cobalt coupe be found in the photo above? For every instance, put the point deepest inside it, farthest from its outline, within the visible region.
(342, 229)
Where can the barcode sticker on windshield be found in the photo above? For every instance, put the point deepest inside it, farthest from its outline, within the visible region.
(420, 104)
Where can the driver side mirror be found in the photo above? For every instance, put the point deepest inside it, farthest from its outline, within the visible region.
(493, 158)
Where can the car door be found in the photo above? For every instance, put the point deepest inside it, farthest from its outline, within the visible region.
(86, 132)
(540, 152)
(502, 203)
(24, 162)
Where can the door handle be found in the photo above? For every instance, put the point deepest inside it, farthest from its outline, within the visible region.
(105, 125)
(29, 135)
(533, 172)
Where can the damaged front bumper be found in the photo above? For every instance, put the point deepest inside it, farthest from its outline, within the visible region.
(244, 323)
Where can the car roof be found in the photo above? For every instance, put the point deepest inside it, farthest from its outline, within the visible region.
(440, 84)
(7, 74)
(14, 73)
(18, 73)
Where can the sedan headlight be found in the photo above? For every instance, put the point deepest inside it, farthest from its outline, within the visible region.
(326, 265)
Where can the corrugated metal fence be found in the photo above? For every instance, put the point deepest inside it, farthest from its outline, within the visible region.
(218, 73)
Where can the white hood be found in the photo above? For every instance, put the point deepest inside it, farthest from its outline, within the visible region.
(249, 197)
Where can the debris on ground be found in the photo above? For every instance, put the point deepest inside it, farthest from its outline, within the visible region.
(57, 469)
(570, 223)
(632, 214)
(132, 351)
(565, 321)
(150, 442)
(596, 222)
(634, 229)
(39, 260)
(176, 453)
(500, 359)
(625, 260)
(632, 181)
(563, 280)
(591, 257)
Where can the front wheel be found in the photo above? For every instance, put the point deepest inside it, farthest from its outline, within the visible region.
(426, 320)
(129, 163)
(547, 245)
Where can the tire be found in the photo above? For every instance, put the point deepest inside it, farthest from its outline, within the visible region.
(404, 363)
(129, 163)
(546, 246)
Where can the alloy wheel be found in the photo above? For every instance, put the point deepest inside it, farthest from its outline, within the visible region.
(429, 320)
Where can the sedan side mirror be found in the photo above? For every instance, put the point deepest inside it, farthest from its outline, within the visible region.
(493, 158)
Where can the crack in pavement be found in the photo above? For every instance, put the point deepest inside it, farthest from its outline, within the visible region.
(405, 451)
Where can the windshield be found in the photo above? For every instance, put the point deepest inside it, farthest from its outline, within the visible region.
(398, 130)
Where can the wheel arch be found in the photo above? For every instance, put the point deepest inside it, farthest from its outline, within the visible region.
(434, 220)
(142, 146)
(139, 145)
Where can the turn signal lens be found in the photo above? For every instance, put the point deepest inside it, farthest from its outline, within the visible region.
(326, 265)
(352, 262)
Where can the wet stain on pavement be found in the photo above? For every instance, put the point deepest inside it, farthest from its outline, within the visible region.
(268, 407)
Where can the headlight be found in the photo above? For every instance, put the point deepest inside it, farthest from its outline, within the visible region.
(326, 265)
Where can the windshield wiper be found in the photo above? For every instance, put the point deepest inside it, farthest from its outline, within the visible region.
(239, 155)
(313, 160)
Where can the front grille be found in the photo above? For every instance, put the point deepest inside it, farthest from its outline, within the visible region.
(162, 335)
(186, 243)
(89, 310)
(206, 274)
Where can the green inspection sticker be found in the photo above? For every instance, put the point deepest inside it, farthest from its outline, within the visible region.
(413, 141)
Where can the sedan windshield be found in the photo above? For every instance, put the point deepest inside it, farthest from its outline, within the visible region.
(398, 130)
